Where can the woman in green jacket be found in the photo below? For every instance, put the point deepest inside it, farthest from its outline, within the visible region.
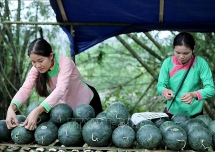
(197, 86)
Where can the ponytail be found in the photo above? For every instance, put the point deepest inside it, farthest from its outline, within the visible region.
(41, 84)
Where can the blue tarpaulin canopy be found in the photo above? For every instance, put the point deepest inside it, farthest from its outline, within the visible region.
(93, 21)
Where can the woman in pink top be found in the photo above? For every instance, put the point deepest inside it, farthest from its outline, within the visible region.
(57, 79)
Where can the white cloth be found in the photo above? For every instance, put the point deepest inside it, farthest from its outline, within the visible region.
(138, 117)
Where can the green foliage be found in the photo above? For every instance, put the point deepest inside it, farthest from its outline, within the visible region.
(118, 76)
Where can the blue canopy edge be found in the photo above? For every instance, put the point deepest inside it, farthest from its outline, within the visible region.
(132, 16)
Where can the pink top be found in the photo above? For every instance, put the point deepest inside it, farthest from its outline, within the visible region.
(66, 83)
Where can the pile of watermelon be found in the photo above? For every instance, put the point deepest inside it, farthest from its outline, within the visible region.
(112, 128)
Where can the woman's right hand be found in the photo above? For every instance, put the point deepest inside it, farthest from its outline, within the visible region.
(11, 119)
(168, 94)
(31, 121)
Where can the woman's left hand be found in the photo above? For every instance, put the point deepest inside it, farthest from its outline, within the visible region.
(188, 97)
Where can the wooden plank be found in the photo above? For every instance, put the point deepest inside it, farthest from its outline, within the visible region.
(161, 10)
(62, 11)
(4, 146)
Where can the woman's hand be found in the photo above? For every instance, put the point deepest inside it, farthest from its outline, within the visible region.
(168, 94)
(11, 119)
(188, 97)
(31, 121)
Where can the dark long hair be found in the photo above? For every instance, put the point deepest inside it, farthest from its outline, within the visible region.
(185, 39)
(41, 47)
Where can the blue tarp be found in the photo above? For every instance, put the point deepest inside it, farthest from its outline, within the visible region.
(132, 16)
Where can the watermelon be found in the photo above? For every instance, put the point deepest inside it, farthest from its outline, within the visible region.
(165, 125)
(82, 113)
(102, 115)
(97, 132)
(46, 133)
(70, 134)
(206, 119)
(192, 123)
(21, 118)
(128, 122)
(159, 121)
(175, 137)
(123, 136)
(21, 135)
(200, 138)
(180, 119)
(142, 123)
(118, 113)
(61, 114)
(5, 133)
(42, 117)
(149, 136)
(211, 126)
(213, 139)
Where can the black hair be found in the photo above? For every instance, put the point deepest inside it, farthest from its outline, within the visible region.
(41, 47)
(185, 39)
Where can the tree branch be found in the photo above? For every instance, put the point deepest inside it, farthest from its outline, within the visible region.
(137, 57)
(2, 71)
(145, 47)
(153, 40)
(144, 93)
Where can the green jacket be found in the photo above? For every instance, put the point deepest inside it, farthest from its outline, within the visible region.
(199, 79)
